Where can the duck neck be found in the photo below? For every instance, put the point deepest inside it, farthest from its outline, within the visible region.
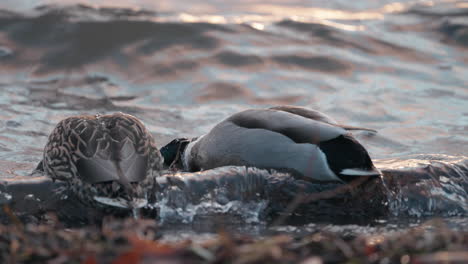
(187, 156)
(174, 152)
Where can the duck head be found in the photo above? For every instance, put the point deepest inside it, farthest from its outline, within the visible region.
(109, 160)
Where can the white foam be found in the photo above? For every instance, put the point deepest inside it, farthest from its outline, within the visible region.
(249, 211)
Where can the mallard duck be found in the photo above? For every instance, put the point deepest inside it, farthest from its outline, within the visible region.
(302, 141)
(109, 159)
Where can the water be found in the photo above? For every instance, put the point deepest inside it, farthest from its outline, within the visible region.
(398, 67)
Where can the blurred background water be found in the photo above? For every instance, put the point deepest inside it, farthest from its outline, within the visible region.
(181, 67)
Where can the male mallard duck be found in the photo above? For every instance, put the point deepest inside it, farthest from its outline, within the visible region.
(111, 159)
(303, 141)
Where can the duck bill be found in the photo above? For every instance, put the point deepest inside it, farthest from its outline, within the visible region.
(135, 203)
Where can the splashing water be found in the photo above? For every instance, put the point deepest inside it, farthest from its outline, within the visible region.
(248, 212)
(439, 187)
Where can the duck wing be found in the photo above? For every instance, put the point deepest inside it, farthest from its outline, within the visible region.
(318, 116)
(306, 112)
(298, 128)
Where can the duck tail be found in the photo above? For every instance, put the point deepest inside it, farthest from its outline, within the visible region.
(122, 179)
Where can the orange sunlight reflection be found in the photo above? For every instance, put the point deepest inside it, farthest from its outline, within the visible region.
(254, 13)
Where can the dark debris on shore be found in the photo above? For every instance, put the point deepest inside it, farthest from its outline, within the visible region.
(138, 241)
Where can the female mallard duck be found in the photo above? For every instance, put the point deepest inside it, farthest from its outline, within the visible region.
(111, 159)
(305, 142)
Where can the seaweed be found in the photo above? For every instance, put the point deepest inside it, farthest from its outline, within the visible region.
(119, 241)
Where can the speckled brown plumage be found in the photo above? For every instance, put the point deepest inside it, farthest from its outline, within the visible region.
(103, 155)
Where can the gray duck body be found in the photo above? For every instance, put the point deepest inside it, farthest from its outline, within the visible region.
(302, 141)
